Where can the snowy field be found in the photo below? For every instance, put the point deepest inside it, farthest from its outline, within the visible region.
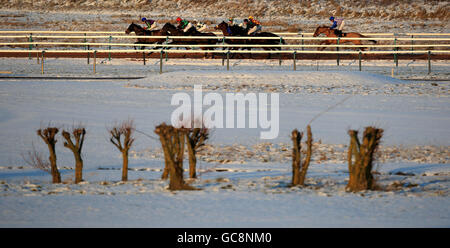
(237, 190)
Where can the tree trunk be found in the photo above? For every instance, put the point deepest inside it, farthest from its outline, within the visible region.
(56, 177)
(125, 166)
(296, 156)
(165, 174)
(192, 160)
(78, 167)
(172, 141)
(360, 158)
(299, 167)
(48, 136)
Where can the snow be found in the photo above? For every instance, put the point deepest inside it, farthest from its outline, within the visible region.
(415, 163)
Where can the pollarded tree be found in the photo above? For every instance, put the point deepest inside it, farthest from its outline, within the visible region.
(360, 158)
(48, 136)
(172, 142)
(299, 167)
(125, 129)
(78, 134)
(195, 139)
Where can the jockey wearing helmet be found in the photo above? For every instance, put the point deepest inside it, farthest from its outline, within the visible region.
(338, 25)
(185, 25)
(150, 24)
(253, 25)
(199, 26)
(230, 24)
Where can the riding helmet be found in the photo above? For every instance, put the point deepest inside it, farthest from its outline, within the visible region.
(179, 19)
(332, 18)
(144, 19)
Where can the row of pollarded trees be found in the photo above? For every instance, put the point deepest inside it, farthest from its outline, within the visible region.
(360, 158)
(74, 140)
(174, 139)
(120, 135)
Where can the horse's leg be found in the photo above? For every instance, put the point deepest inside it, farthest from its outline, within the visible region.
(325, 42)
(269, 55)
(135, 47)
(206, 53)
(358, 43)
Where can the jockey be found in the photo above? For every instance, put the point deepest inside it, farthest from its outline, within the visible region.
(186, 26)
(338, 25)
(231, 21)
(199, 26)
(150, 24)
(230, 24)
(253, 25)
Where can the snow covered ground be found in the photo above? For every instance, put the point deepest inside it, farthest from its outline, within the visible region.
(246, 191)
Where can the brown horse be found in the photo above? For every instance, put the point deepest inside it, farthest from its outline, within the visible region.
(138, 30)
(330, 33)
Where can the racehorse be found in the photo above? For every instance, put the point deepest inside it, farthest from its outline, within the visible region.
(170, 30)
(138, 30)
(330, 33)
(237, 31)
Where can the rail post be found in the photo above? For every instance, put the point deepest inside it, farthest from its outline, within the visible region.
(395, 53)
(337, 49)
(88, 54)
(161, 62)
(30, 47)
(412, 42)
(303, 43)
(359, 57)
(167, 42)
(85, 41)
(429, 62)
(223, 55)
(281, 55)
(42, 62)
(295, 62)
(228, 60)
(143, 57)
(95, 61)
(37, 57)
(109, 48)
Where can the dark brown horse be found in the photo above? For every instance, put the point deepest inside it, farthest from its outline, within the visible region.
(237, 31)
(170, 30)
(138, 30)
(330, 33)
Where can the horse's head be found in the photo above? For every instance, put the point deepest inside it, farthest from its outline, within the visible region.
(167, 28)
(129, 29)
(222, 26)
(133, 28)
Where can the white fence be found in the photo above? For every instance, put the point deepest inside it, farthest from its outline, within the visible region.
(438, 43)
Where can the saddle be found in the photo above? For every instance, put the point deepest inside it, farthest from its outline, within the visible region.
(339, 33)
